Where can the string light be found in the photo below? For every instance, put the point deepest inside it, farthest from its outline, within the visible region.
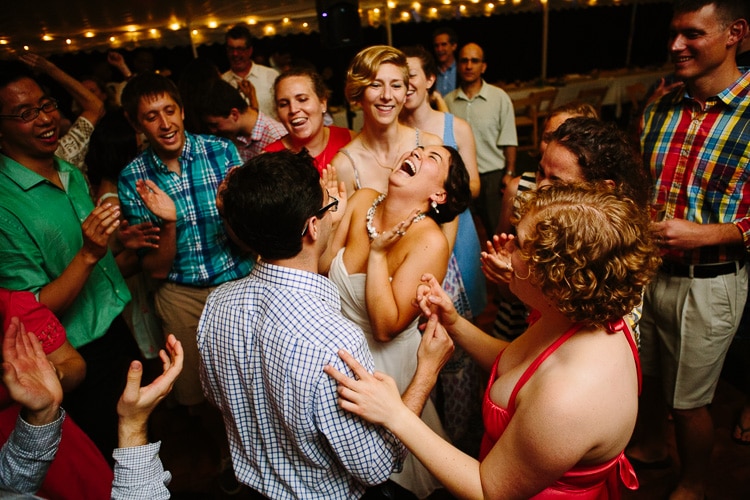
(398, 11)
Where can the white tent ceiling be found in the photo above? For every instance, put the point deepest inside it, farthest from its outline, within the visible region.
(60, 26)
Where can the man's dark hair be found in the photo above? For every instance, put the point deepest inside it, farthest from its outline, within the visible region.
(604, 152)
(268, 200)
(147, 85)
(240, 31)
(457, 190)
(445, 30)
(727, 10)
(12, 71)
(219, 100)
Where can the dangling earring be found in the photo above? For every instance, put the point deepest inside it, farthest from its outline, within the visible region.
(434, 207)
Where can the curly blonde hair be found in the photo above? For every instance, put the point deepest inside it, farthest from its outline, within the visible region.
(589, 250)
(365, 65)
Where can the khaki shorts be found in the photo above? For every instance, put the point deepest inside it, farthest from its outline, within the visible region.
(686, 329)
(179, 307)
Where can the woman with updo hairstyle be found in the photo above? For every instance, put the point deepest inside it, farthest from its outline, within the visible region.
(562, 398)
(377, 81)
(301, 99)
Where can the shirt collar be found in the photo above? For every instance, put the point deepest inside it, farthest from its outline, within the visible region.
(26, 178)
(188, 151)
(481, 94)
(731, 96)
(298, 281)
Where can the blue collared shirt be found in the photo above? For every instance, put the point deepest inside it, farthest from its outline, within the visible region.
(446, 80)
(264, 341)
(205, 256)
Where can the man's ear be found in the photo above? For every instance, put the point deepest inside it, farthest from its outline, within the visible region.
(235, 114)
(737, 32)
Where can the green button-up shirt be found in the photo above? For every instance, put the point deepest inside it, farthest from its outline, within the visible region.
(40, 233)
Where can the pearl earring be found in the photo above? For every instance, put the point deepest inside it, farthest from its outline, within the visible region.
(435, 207)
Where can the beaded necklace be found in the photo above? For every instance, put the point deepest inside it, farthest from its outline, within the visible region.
(371, 213)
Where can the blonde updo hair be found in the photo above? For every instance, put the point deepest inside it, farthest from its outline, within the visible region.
(365, 65)
(589, 250)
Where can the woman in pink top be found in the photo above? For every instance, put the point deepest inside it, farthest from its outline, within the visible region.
(562, 399)
(301, 101)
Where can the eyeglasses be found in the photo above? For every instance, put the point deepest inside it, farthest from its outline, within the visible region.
(31, 114)
(332, 205)
(472, 60)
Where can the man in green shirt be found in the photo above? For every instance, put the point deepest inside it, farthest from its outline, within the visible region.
(54, 243)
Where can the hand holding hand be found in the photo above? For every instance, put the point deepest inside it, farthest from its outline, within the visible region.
(435, 348)
(495, 261)
(137, 403)
(143, 235)
(432, 300)
(156, 200)
(97, 228)
(373, 397)
(30, 378)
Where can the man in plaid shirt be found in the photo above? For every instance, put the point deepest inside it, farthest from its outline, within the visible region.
(695, 140)
(226, 114)
(173, 184)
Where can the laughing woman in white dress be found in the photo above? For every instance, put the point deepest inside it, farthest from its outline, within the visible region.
(382, 247)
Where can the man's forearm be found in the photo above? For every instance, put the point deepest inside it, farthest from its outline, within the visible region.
(27, 455)
(61, 292)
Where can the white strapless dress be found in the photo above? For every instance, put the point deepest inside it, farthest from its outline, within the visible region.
(397, 358)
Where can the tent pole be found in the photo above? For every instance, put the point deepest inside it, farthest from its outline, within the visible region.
(388, 33)
(631, 34)
(545, 36)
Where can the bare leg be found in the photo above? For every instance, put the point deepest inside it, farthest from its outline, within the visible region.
(694, 434)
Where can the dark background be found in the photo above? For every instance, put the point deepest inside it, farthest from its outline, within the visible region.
(581, 40)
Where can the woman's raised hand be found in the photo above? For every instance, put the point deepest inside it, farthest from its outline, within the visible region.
(495, 261)
(337, 189)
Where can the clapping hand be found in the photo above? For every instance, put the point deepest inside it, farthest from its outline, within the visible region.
(30, 378)
(495, 261)
(137, 403)
(156, 200)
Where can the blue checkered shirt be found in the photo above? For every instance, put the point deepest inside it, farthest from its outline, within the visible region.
(140, 474)
(205, 256)
(264, 341)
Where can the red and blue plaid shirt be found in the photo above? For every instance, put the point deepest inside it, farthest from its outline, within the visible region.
(702, 156)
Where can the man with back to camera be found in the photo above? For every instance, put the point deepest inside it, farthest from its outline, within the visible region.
(694, 139)
(265, 339)
(489, 111)
(444, 43)
(239, 42)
